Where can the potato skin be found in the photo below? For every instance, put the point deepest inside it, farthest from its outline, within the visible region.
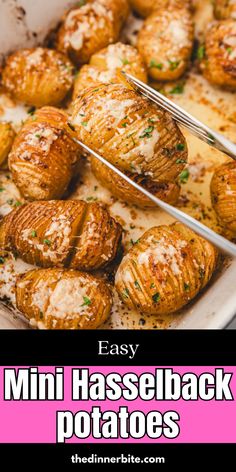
(224, 9)
(166, 42)
(219, 63)
(145, 7)
(223, 194)
(107, 64)
(130, 132)
(44, 156)
(63, 299)
(7, 135)
(38, 76)
(91, 27)
(165, 269)
(167, 191)
(66, 233)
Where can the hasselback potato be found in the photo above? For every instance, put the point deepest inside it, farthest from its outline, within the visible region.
(63, 299)
(44, 156)
(66, 233)
(129, 131)
(7, 135)
(223, 194)
(166, 41)
(224, 9)
(219, 62)
(165, 269)
(146, 7)
(106, 66)
(38, 76)
(167, 191)
(91, 27)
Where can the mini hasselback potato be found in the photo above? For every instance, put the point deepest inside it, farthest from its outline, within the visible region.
(224, 9)
(130, 132)
(66, 233)
(166, 41)
(146, 7)
(38, 76)
(167, 191)
(165, 269)
(91, 27)
(63, 299)
(7, 135)
(106, 65)
(223, 194)
(44, 156)
(219, 61)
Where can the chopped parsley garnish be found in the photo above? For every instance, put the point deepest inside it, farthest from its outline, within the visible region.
(2, 260)
(41, 315)
(201, 52)
(173, 64)
(147, 133)
(80, 3)
(124, 125)
(91, 199)
(2, 189)
(181, 161)
(156, 297)
(87, 301)
(180, 147)
(38, 136)
(155, 64)
(186, 287)
(125, 294)
(17, 203)
(177, 90)
(137, 285)
(152, 285)
(84, 123)
(46, 241)
(34, 234)
(229, 50)
(125, 62)
(132, 242)
(81, 114)
(10, 201)
(71, 126)
(184, 176)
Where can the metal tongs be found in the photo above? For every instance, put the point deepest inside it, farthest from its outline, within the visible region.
(202, 132)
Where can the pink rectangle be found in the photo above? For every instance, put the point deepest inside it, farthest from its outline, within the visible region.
(200, 421)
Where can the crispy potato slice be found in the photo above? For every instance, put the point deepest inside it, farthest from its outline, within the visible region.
(7, 135)
(223, 194)
(224, 9)
(63, 299)
(38, 76)
(165, 269)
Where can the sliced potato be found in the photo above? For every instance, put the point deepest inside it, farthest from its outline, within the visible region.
(38, 76)
(165, 269)
(44, 157)
(145, 7)
(130, 132)
(91, 27)
(167, 191)
(224, 9)
(66, 233)
(63, 299)
(106, 67)
(223, 194)
(219, 62)
(166, 41)
(7, 135)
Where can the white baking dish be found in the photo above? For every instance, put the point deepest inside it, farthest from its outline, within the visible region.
(27, 22)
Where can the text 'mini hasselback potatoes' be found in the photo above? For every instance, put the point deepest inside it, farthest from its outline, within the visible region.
(66, 233)
(63, 299)
(106, 66)
(223, 194)
(7, 135)
(91, 27)
(224, 9)
(130, 132)
(166, 42)
(44, 156)
(218, 64)
(165, 269)
(38, 76)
